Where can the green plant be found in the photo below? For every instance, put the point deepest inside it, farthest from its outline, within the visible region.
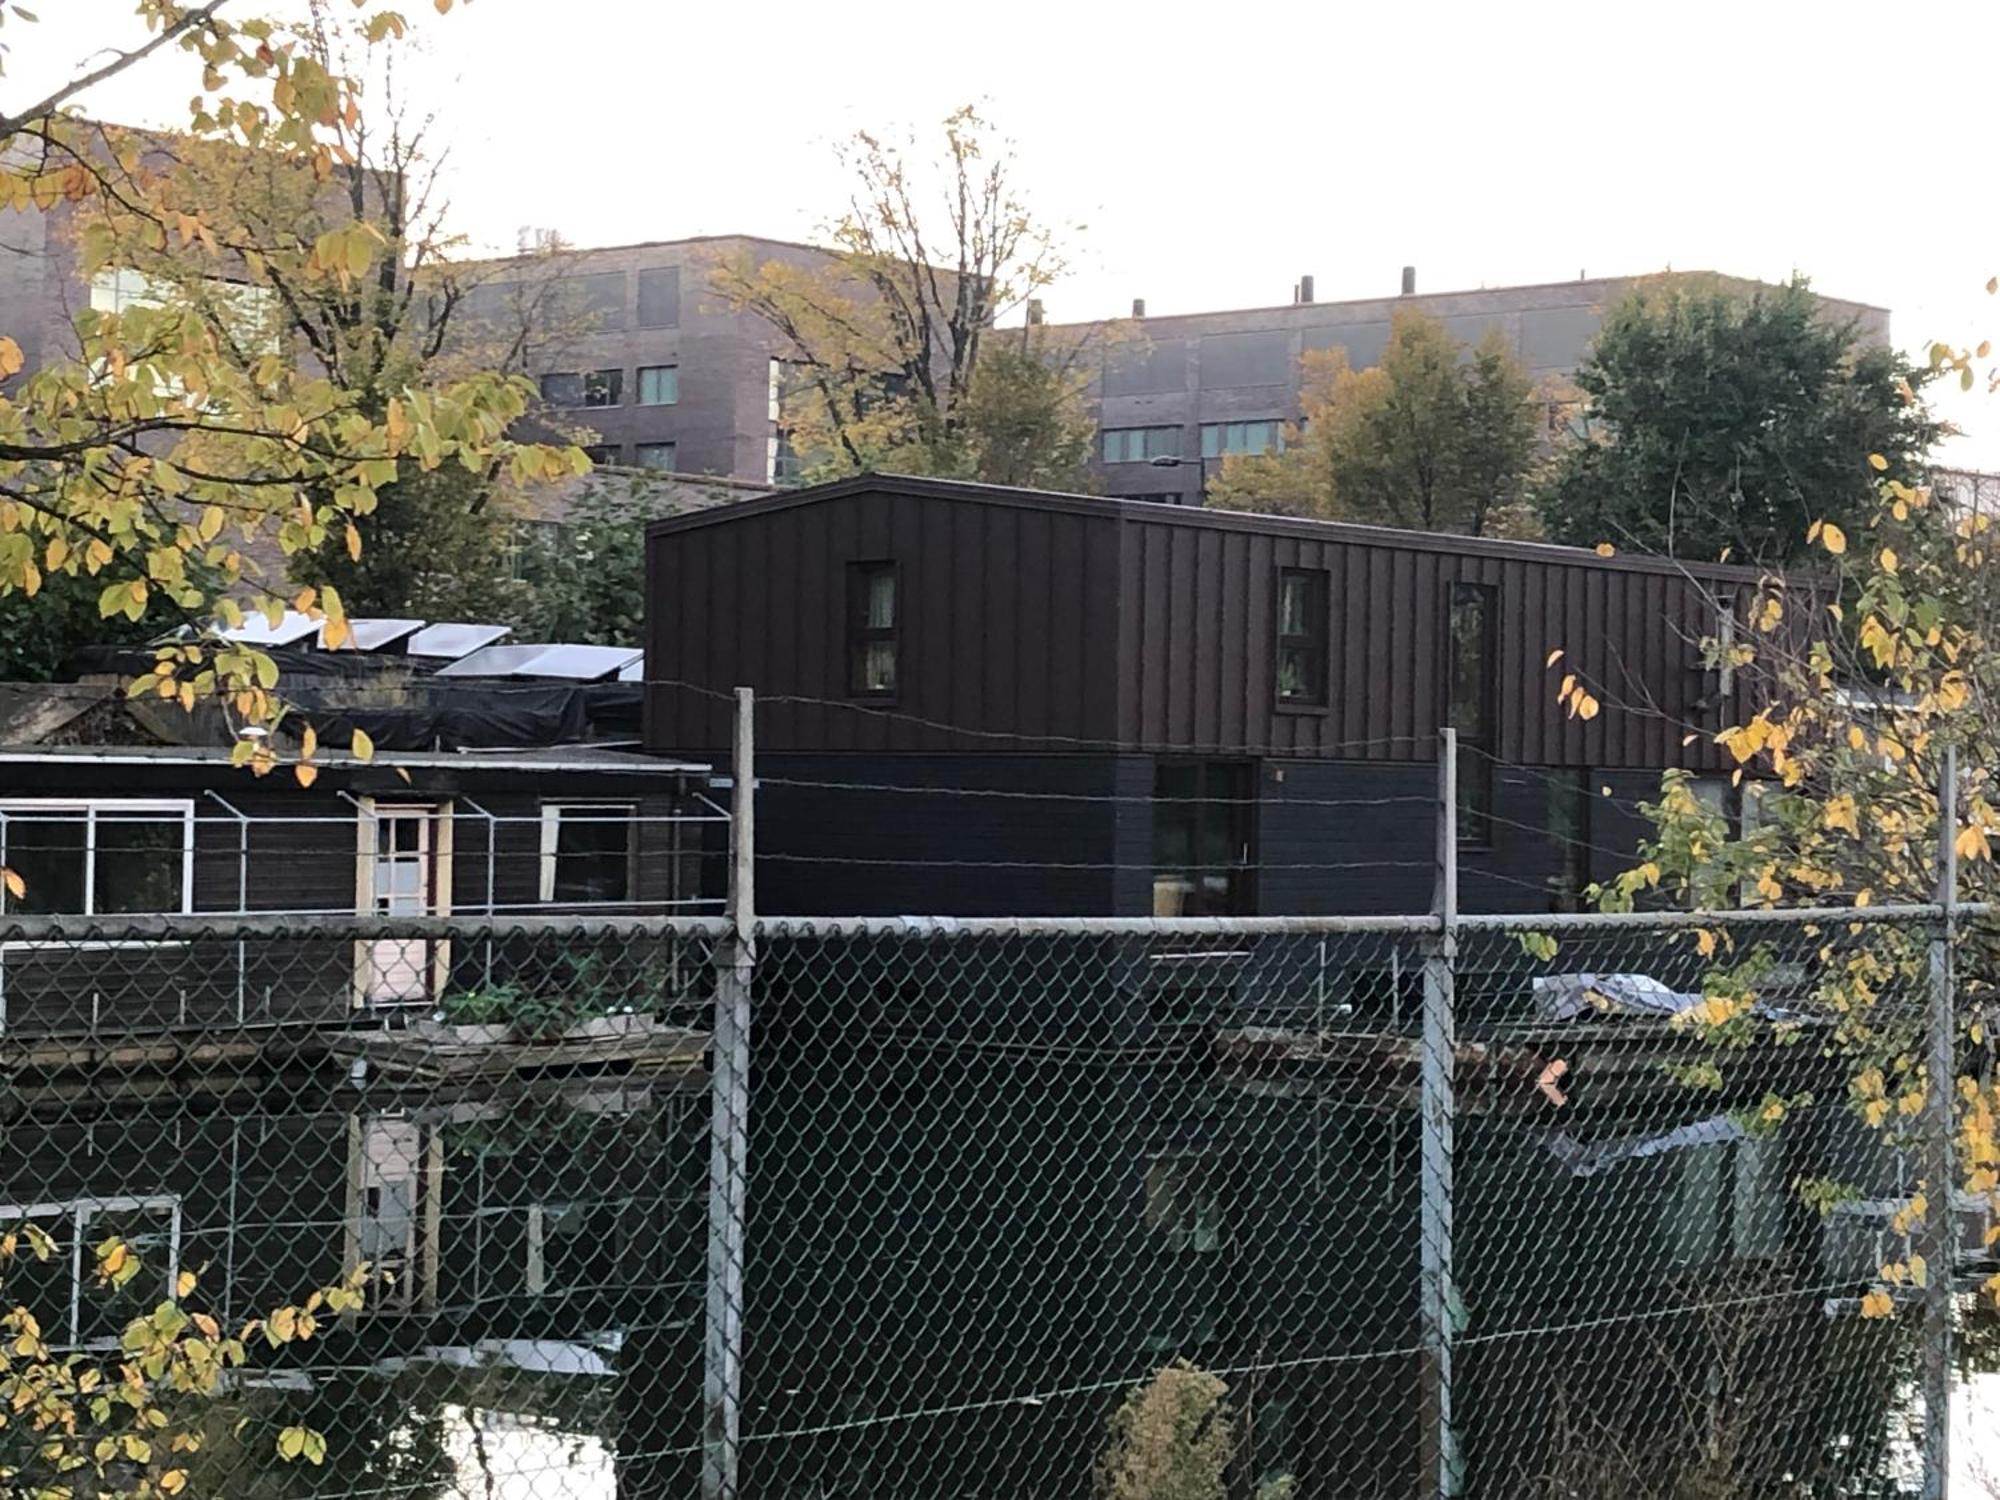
(485, 1005)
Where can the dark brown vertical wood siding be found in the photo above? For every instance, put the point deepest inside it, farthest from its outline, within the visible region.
(1031, 623)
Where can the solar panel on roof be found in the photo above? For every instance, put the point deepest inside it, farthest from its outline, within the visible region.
(455, 638)
(258, 631)
(491, 661)
(584, 663)
(570, 662)
(374, 634)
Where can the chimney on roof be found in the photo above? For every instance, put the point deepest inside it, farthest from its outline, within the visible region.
(1034, 311)
(1409, 281)
(1304, 291)
(1138, 307)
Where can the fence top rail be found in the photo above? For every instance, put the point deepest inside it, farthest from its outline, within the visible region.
(1777, 916)
(187, 926)
(949, 927)
(1411, 925)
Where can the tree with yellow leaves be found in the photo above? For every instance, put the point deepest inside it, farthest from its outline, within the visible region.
(157, 461)
(134, 1420)
(1873, 673)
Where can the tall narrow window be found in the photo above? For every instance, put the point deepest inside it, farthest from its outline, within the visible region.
(871, 629)
(1302, 631)
(659, 385)
(1202, 817)
(1469, 706)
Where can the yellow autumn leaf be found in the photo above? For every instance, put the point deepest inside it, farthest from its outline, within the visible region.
(1554, 657)
(184, 1283)
(16, 886)
(306, 772)
(1877, 462)
(11, 360)
(364, 747)
(1888, 560)
(1877, 1304)
(1605, 549)
(1833, 538)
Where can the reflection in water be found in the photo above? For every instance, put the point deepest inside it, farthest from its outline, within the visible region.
(506, 1456)
(950, 1279)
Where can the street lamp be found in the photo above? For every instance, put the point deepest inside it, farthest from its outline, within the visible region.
(1175, 461)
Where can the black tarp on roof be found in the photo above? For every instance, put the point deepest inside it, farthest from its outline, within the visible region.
(402, 706)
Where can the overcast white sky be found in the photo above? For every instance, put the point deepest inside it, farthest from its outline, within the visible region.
(1215, 151)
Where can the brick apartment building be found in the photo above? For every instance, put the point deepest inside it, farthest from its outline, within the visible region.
(1200, 386)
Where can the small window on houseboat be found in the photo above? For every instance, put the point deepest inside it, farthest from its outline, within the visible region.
(109, 858)
(589, 850)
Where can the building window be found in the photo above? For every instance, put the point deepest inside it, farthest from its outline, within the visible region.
(872, 609)
(654, 456)
(660, 297)
(1202, 813)
(74, 1305)
(659, 385)
(1469, 706)
(1302, 632)
(786, 466)
(579, 388)
(590, 852)
(1726, 641)
(601, 454)
(99, 858)
(596, 300)
(1223, 439)
(1184, 1203)
(1135, 445)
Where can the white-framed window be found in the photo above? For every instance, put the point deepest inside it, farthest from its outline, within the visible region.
(75, 1308)
(590, 852)
(250, 310)
(109, 856)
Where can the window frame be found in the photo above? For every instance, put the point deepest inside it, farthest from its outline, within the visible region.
(551, 849)
(1183, 1205)
(673, 448)
(1238, 804)
(1170, 435)
(1316, 643)
(1220, 431)
(78, 1212)
(615, 384)
(1475, 748)
(27, 809)
(861, 635)
(639, 375)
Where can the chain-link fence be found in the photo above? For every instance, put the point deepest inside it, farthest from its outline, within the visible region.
(1569, 1207)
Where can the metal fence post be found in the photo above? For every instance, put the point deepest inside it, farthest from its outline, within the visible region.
(1939, 1174)
(729, 1140)
(1441, 1474)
